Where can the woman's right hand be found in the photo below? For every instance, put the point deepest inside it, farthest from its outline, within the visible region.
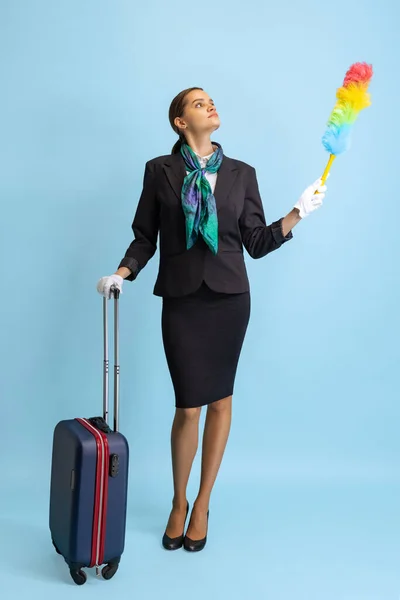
(104, 284)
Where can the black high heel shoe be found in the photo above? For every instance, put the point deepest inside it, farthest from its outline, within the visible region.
(176, 542)
(195, 545)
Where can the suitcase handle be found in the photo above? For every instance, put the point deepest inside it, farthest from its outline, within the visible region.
(115, 292)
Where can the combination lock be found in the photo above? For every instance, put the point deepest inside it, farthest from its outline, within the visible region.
(114, 465)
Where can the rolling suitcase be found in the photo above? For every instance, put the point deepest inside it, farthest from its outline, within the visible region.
(89, 481)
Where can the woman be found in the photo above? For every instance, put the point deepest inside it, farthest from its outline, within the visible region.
(206, 207)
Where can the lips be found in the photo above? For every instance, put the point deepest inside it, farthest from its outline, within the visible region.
(213, 115)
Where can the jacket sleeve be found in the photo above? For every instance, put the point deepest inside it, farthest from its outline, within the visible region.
(259, 238)
(145, 227)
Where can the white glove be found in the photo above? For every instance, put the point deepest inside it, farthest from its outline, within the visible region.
(309, 200)
(104, 284)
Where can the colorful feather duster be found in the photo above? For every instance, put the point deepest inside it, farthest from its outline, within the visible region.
(351, 98)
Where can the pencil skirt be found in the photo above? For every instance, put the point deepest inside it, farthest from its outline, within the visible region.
(203, 334)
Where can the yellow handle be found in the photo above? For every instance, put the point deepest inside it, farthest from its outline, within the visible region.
(327, 169)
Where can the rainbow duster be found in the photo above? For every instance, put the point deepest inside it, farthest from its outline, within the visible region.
(351, 98)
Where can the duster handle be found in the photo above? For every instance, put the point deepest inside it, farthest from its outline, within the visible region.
(327, 169)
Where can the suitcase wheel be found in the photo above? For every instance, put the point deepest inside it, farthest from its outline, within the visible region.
(78, 576)
(109, 570)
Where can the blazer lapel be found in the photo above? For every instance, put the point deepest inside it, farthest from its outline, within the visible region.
(225, 179)
(174, 168)
(175, 171)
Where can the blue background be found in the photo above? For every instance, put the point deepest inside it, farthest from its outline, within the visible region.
(306, 505)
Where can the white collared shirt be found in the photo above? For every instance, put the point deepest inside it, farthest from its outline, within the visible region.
(211, 177)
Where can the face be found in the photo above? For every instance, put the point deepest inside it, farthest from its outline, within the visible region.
(200, 115)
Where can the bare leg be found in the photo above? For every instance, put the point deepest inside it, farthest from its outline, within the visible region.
(184, 443)
(216, 432)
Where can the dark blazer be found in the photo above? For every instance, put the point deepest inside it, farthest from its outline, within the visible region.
(241, 222)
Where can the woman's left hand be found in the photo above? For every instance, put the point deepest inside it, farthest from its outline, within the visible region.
(310, 200)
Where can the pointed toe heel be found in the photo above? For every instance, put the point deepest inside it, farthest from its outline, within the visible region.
(172, 543)
(176, 542)
(195, 545)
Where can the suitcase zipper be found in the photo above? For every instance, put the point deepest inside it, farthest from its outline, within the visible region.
(101, 494)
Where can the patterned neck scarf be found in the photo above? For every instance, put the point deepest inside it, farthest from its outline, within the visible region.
(198, 201)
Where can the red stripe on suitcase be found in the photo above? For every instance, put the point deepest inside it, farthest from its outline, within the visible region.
(105, 498)
(101, 493)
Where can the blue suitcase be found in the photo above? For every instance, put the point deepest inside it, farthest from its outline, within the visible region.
(89, 481)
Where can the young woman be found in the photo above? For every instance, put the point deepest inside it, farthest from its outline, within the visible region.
(205, 207)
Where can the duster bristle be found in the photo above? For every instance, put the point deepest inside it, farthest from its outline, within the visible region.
(337, 139)
(355, 95)
(358, 72)
(351, 98)
(342, 114)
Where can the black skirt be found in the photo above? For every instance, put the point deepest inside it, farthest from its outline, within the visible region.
(203, 334)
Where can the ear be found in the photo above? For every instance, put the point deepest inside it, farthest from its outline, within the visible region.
(180, 124)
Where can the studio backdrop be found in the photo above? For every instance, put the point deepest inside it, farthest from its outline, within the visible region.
(86, 88)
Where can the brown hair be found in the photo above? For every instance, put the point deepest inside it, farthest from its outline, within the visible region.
(176, 109)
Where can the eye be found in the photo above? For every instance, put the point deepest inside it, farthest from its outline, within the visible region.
(201, 104)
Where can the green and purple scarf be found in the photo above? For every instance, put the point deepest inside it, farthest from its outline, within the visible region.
(198, 201)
